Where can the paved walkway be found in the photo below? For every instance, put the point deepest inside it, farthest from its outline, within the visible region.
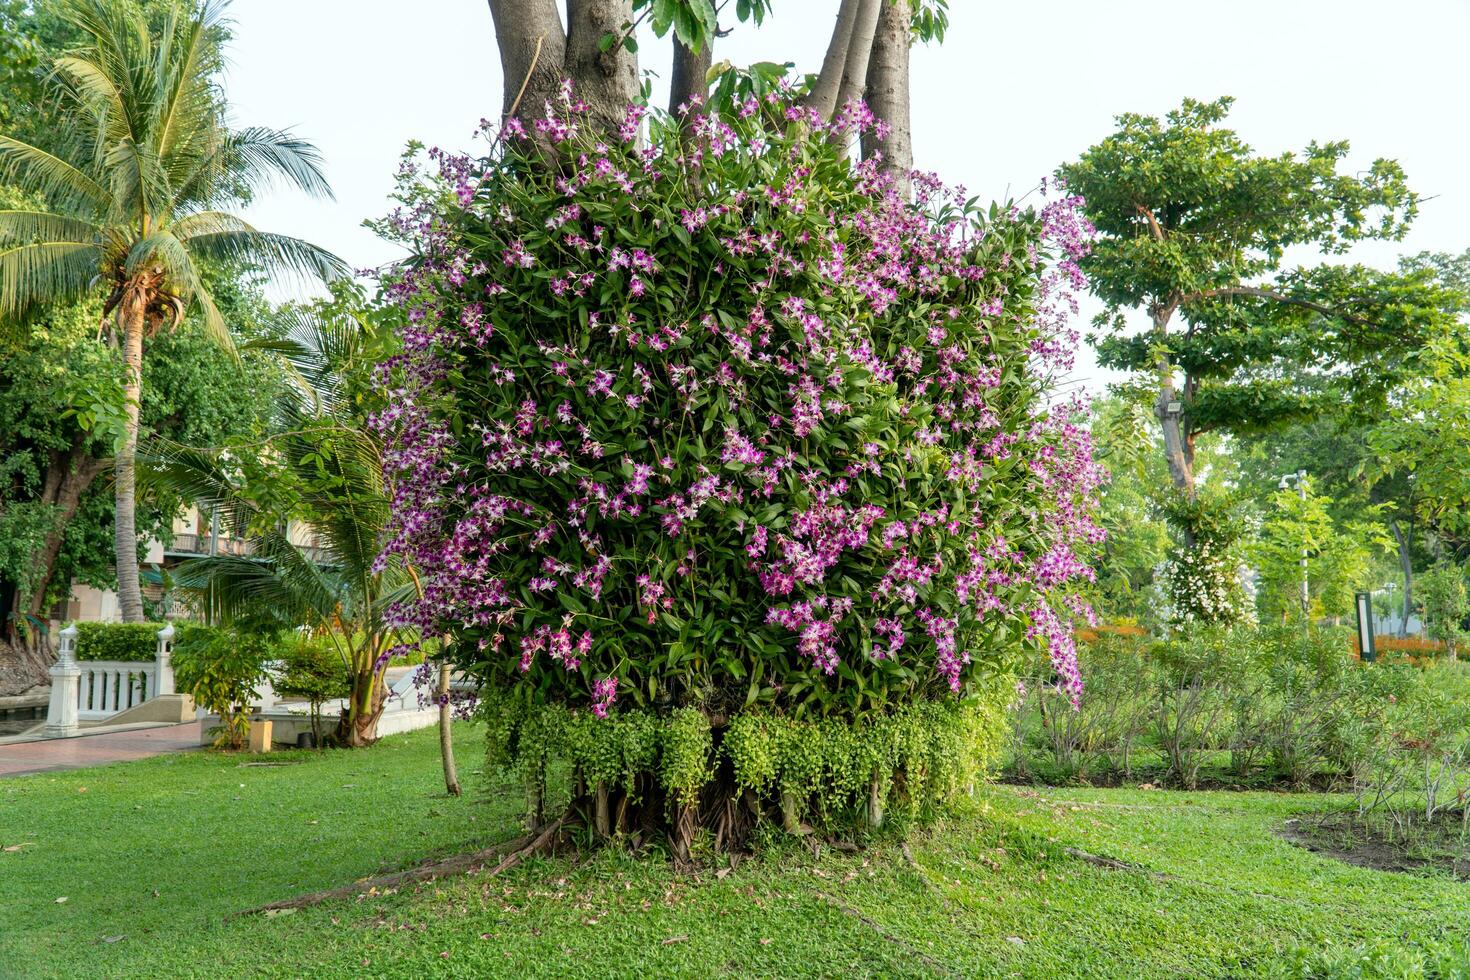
(19, 758)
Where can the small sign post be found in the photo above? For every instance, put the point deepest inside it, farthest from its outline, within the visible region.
(1365, 627)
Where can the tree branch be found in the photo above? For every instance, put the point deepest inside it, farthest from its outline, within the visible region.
(1153, 223)
(1260, 293)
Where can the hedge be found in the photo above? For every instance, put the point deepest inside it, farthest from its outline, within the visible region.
(117, 641)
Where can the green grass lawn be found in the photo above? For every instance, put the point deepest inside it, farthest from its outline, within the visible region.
(153, 856)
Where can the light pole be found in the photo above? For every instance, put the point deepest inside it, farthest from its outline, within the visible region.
(1300, 478)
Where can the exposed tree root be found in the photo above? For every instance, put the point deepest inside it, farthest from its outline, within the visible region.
(505, 856)
(1112, 864)
(910, 949)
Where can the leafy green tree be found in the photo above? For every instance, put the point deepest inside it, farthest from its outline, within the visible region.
(1138, 536)
(1338, 555)
(1418, 445)
(1193, 228)
(60, 405)
(1345, 468)
(1424, 435)
(133, 185)
(1446, 605)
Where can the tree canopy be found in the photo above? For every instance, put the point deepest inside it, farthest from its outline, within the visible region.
(1195, 229)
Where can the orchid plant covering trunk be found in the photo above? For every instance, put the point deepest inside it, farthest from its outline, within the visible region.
(703, 431)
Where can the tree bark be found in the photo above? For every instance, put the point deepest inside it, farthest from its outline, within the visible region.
(1406, 565)
(130, 320)
(446, 739)
(859, 53)
(606, 80)
(823, 94)
(359, 724)
(1178, 444)
(888, 93)
(74, 472)
(691, 68)
(532, 52)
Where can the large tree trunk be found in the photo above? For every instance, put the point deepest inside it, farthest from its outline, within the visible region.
(1406, 565)
(532, 54)
(606, 80)
(859, 53)
(26, 652)
(823, 94)
(888, 93)
(130, 321)
(691, 69)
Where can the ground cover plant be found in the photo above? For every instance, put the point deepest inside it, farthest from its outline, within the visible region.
(717, 440)
(1006, 886)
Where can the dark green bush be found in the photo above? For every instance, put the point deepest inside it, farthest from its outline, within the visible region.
(129, 642)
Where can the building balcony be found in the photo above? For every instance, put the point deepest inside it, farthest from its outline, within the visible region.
(197, 545)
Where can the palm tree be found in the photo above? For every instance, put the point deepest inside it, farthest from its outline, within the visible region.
(323, 471)
(133, 191)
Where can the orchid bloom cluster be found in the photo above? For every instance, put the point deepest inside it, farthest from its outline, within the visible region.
(700, 409)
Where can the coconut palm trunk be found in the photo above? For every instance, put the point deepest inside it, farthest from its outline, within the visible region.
(131, 314)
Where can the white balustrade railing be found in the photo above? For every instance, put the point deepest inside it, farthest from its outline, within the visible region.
(109, 686)
(92, 690)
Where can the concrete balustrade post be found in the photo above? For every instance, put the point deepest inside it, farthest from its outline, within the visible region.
(163, 676)
(61, 715)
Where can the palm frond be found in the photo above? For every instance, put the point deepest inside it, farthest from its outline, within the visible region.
(24, 227)
(314, 350)
(33, 169)
(205, 477)
(140, 184)
(183, 96)
(45, 272)
(274, 254)
(261, 154)
(208, 223)
(236, 587)
(93, 86)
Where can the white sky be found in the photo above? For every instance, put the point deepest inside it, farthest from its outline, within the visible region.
(1017, 88)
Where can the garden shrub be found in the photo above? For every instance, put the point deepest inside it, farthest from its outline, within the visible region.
(721, 425)
(221, 669)
(1197, 675)
(1290, 707)
(127, 642)
(310, 667)
(1097, 736)
(1422, 764)
(1202, 574)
